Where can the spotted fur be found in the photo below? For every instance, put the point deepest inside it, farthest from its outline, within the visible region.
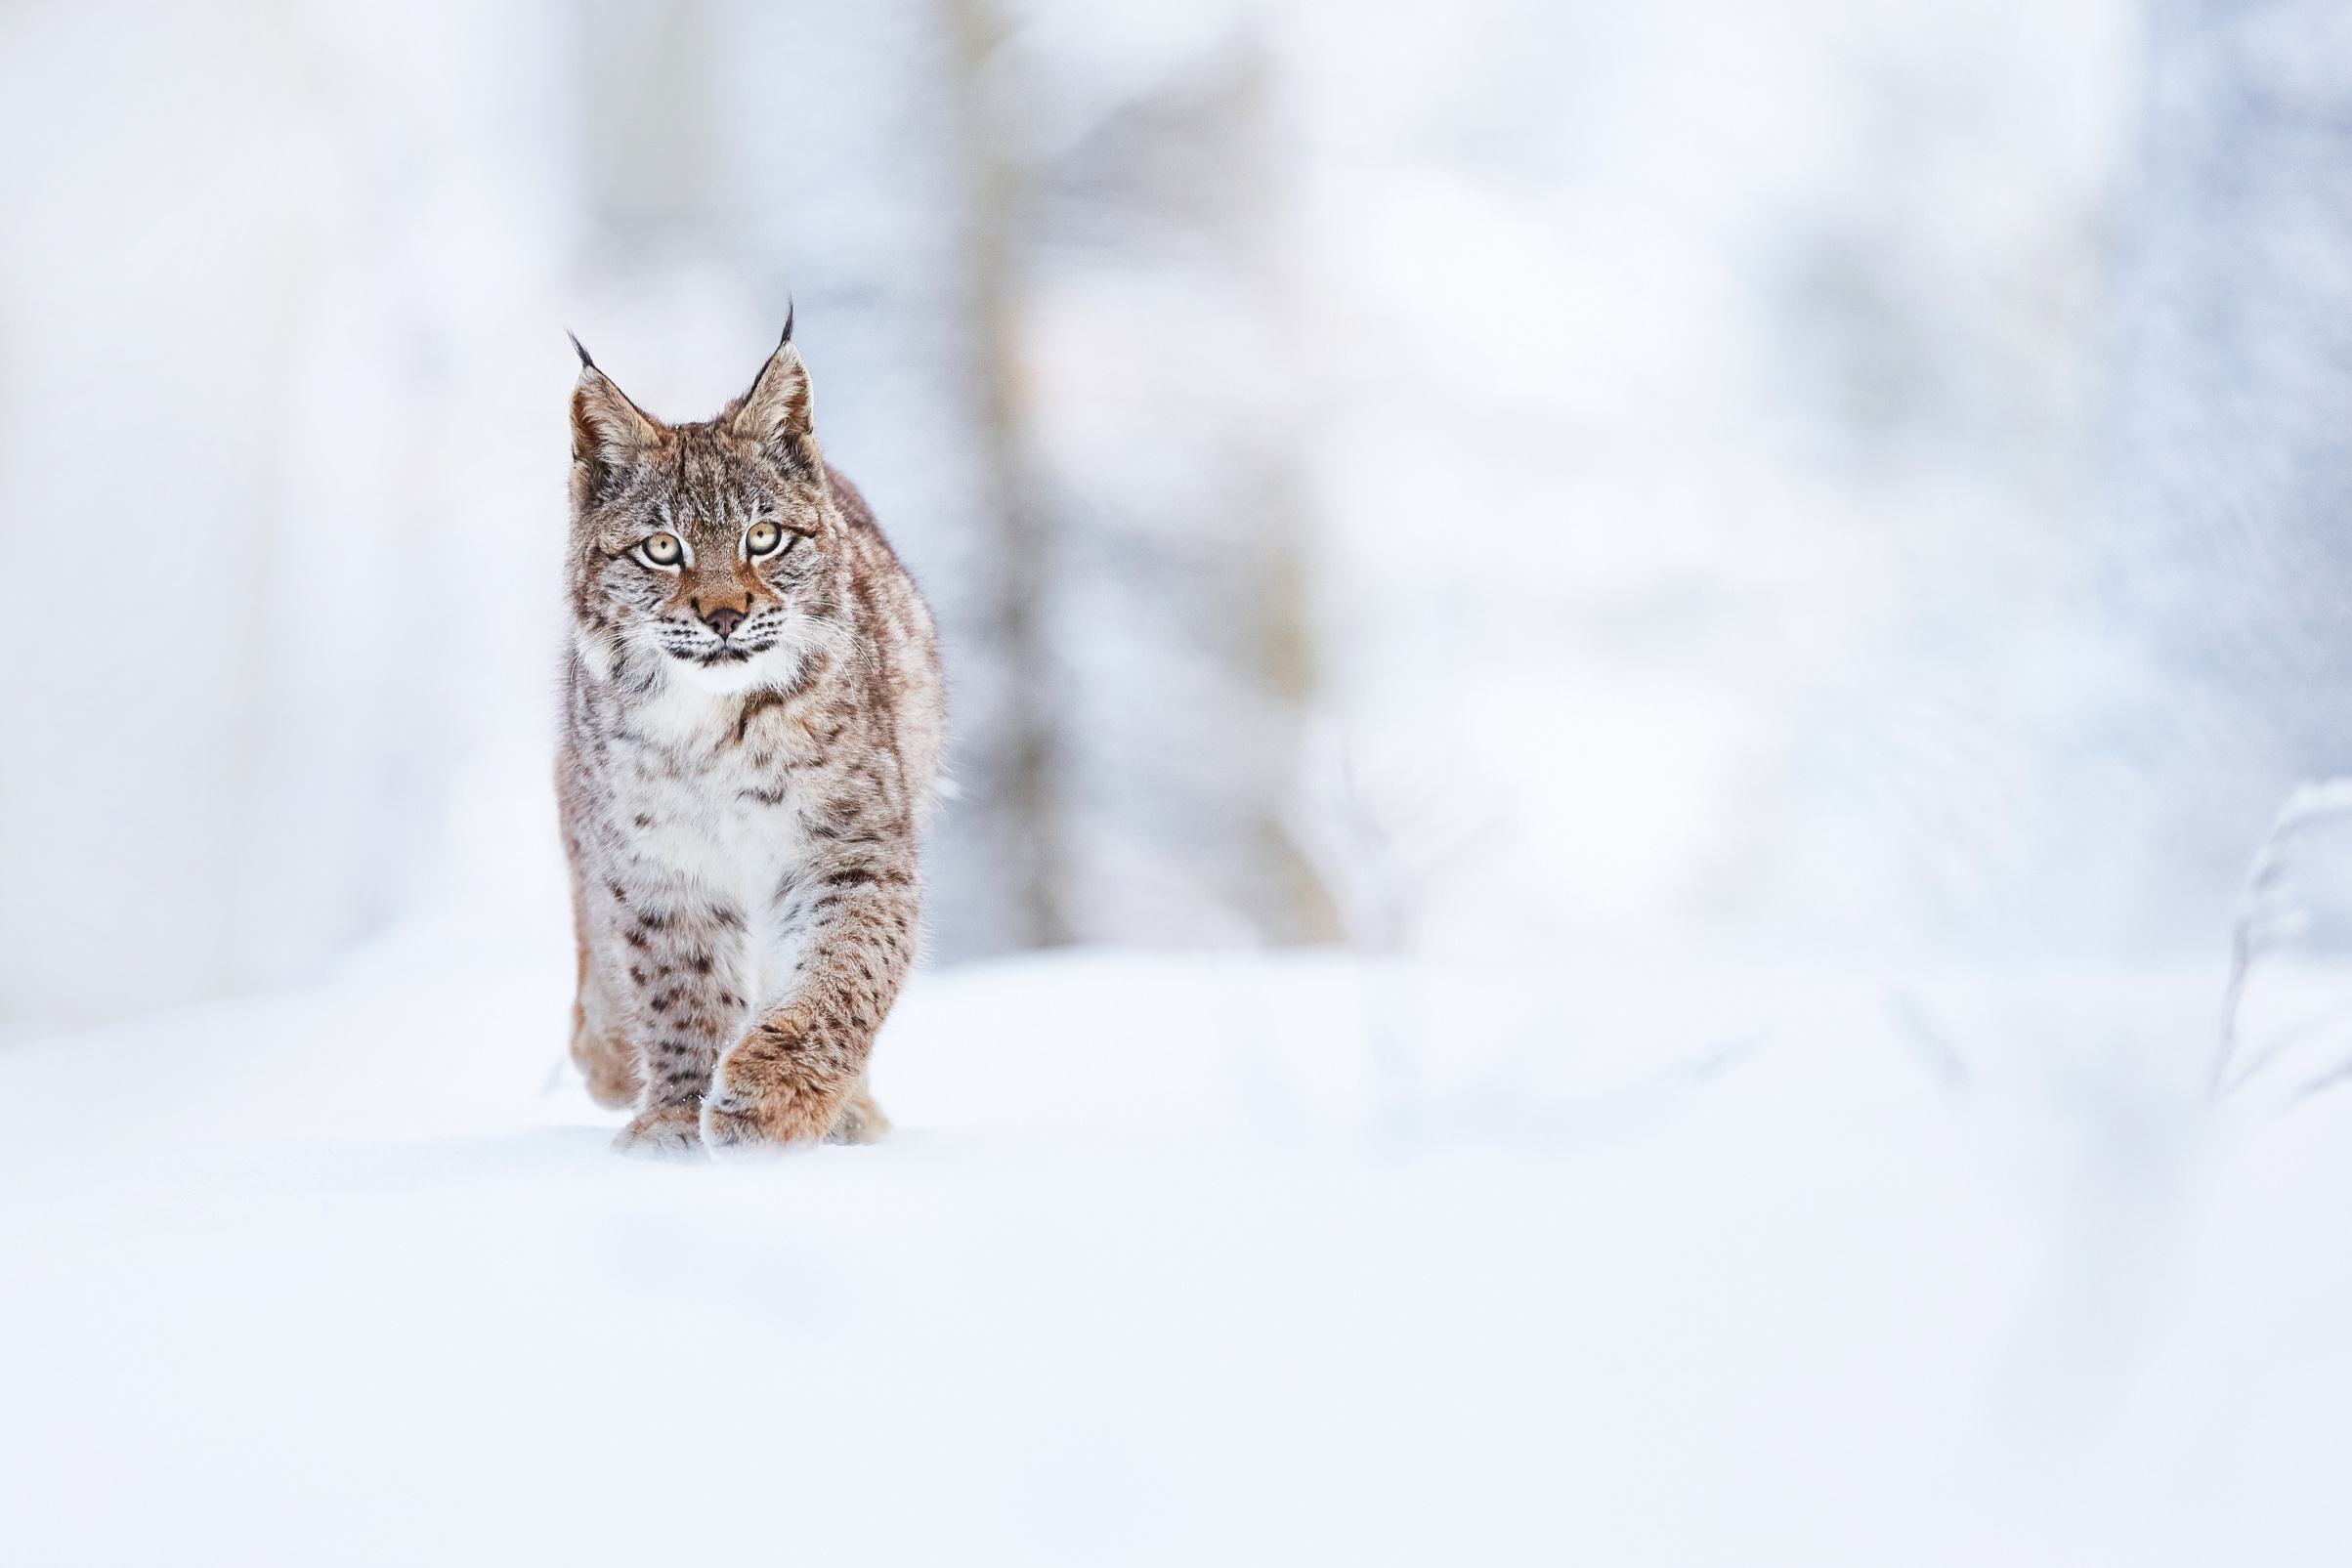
(749, 745)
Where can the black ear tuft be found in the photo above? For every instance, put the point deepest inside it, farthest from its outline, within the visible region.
(775, 412)
(586, 364)
(788, 309)
(609, 433)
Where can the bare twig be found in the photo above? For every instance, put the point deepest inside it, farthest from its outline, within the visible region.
(1935, 1052)
(2268, 918)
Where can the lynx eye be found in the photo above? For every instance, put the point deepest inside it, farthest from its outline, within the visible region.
(763, 537)
(662, 550)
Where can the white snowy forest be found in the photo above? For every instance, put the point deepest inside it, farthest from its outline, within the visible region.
(1649, 706)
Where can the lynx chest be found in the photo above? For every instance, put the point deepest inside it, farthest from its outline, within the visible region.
(705, 794)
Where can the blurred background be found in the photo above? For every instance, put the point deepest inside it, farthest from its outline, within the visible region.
(1829, 478)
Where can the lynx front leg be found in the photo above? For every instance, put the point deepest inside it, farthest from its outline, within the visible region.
(799, 1075)
(675, 959)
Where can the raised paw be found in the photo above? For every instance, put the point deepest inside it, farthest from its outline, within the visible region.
(736, 1125)
(664, 1132)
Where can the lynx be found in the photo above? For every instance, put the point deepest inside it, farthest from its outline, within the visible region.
(751, 736)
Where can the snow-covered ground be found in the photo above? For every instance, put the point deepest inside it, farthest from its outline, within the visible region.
(1181, 1259)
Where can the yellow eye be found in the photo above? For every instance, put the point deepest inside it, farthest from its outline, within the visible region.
(763, 537)
(663, 549)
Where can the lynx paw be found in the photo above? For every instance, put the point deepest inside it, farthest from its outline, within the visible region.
(861, 1120)
(735, 1126)
(609, 1071)
(666, 1133)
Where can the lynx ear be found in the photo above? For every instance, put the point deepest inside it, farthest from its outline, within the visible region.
(775, 412)
(608, 432)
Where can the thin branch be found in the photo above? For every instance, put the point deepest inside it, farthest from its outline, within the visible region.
(2264, 923)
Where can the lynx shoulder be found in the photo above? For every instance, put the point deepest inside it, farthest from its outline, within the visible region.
(749, 743)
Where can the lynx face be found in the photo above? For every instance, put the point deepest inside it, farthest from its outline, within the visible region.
(705, 547)
(713, 576)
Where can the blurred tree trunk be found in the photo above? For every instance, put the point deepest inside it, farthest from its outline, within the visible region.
(1007, 770)
(1166, 444)
(2230, 555)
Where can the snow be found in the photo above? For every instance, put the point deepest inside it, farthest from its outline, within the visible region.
(1189, 1259)
(1689, 417)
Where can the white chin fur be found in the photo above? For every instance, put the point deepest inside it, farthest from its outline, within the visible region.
(689, 707)
(727, 679)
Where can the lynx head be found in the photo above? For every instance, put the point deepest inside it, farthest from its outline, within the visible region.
(702, 550)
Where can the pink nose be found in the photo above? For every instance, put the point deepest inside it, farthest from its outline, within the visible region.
(724, 621)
